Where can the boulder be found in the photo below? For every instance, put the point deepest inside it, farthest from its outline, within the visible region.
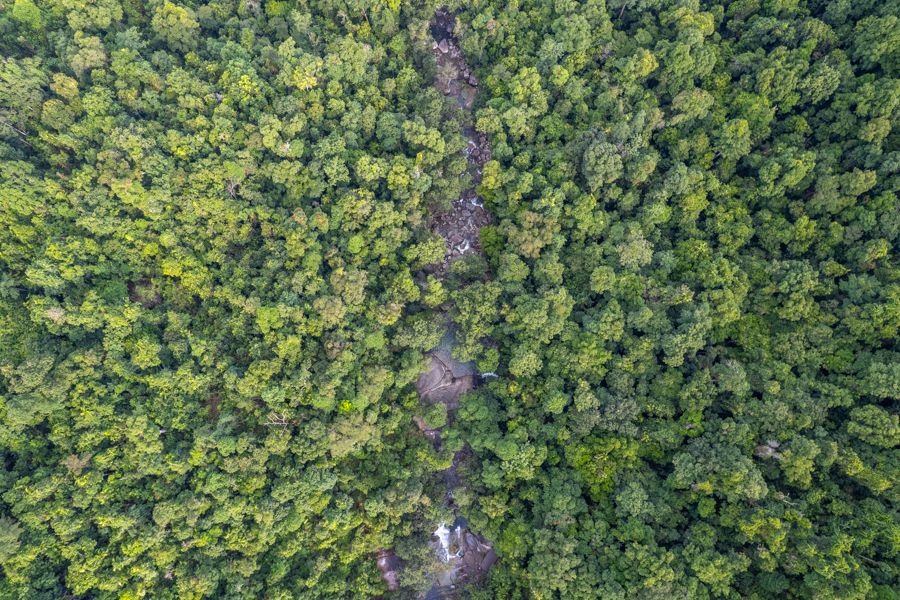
(488, 561)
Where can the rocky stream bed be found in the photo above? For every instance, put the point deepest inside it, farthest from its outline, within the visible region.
(465, 556)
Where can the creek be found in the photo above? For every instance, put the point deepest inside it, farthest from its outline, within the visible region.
(464, 555)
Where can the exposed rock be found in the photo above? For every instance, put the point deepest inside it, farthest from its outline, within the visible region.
(467, 94)
(769, 450)
(445, 380)
(436, 376)
(455, 88)
(488, 561)
(433, 435)
(389, 565)
(465, 555)
(443, 24)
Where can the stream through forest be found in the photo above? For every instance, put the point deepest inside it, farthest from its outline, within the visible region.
(464, 555)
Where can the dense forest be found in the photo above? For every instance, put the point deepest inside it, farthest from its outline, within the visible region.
(222, 270)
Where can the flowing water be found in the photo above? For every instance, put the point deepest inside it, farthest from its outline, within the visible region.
(466, 556)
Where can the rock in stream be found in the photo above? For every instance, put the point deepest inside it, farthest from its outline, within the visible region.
(467, 555)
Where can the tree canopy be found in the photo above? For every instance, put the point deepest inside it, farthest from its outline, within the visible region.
(218, 283)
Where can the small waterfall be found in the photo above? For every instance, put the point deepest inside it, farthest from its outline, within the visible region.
(443, 535)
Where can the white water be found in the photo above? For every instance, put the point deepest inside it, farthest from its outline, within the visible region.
(443, 536)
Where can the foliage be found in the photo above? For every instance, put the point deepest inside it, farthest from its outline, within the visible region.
(217, 284)
(698, 311)
(213, 227)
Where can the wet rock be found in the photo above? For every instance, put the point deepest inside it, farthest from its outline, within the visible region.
(433, 378)
(389, 565)
(443, 24)
(453, 88)
(466, 555)
(463, 543)
(468, 95)
(461, 225)
(445, 380)
(449, 394)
